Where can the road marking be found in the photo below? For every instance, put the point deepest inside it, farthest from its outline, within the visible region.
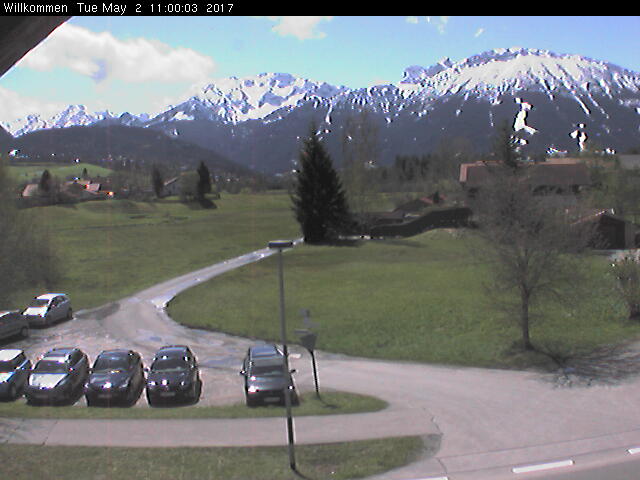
(434, 478)
(542, 466)
(633, 451)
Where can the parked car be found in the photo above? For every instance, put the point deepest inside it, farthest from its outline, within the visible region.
(14, 373)
(13, 323)
(58, 376)
(262, 350)
(174, 376)
(48, 308)
(117, 376)
(265, 376)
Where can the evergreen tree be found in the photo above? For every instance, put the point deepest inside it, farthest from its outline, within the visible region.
(157, 181)
(45, 182)
(319, 201)
(204, 181)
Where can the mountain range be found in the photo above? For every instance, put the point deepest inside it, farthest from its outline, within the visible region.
(555, 102)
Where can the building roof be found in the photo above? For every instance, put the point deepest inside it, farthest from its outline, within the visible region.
(30, 190)
(548, 174)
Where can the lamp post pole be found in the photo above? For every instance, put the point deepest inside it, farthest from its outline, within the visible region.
(280, 245)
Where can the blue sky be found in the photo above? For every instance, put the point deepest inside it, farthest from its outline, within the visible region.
(143, 64)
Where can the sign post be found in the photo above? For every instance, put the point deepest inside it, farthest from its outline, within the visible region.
(308, 340)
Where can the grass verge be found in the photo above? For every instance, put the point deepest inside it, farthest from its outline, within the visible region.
(336, 461)
(331, 403)
(419, 299)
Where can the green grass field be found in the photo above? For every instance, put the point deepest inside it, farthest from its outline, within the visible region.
(113, 248)
(421, 299)
(315, 462)
(28, 172)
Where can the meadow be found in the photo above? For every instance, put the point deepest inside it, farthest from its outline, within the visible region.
(427, 298)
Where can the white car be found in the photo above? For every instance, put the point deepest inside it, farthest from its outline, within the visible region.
(48, 308)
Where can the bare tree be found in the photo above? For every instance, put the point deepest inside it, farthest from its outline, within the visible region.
(532, 243)
(359, 155)
(627, 271)
(26, 254)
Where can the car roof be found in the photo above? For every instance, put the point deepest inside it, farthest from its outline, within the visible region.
(49, 296)
(7, 312)
(266, 350)
(172, 350)
(59, 352)
(9, 354)
(115, 352)
(268, 361)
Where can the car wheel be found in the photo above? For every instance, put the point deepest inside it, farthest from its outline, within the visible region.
(150, 400)
(13, 391)
(90, 402)
(250, 402)
(70, 314)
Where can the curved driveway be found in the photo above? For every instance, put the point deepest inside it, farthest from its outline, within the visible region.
(487, 422)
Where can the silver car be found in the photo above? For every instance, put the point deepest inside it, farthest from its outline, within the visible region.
(12, 324)
(48, 308)
(14, 373)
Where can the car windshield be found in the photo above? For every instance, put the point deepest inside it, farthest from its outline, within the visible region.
(169, 364)
(267, 370)
(39, 302)
(111, 363)
(51, 366)
(6, 367)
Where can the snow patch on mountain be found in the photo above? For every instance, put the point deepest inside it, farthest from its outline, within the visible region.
(520, 122)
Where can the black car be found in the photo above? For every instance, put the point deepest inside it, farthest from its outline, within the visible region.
(265, 377)
(117, 377)
(58, 376)
(174, 376)
(14, 373)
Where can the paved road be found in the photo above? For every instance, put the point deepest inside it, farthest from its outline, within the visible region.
(485, 423)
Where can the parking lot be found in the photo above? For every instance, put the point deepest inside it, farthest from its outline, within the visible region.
(219, 356)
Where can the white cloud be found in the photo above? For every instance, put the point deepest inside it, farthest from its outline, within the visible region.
(479, 32)
(303, 28)
(16, 106)
(102, 56)
(440, 23)
(412, 20)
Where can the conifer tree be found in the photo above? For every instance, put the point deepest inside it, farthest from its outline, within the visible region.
(319, 201)
(204, 180)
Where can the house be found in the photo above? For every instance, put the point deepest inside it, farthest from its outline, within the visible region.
(558, 176)
(612, 232)
(171, 187)
(419, 204)
(30, 190)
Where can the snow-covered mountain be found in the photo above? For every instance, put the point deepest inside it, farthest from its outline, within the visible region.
(554, 101)
(234, 100)
(72, 116)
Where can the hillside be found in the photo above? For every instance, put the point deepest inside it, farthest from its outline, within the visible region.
(99, 144)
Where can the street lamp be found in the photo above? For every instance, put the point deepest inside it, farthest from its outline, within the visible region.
(281, 245)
